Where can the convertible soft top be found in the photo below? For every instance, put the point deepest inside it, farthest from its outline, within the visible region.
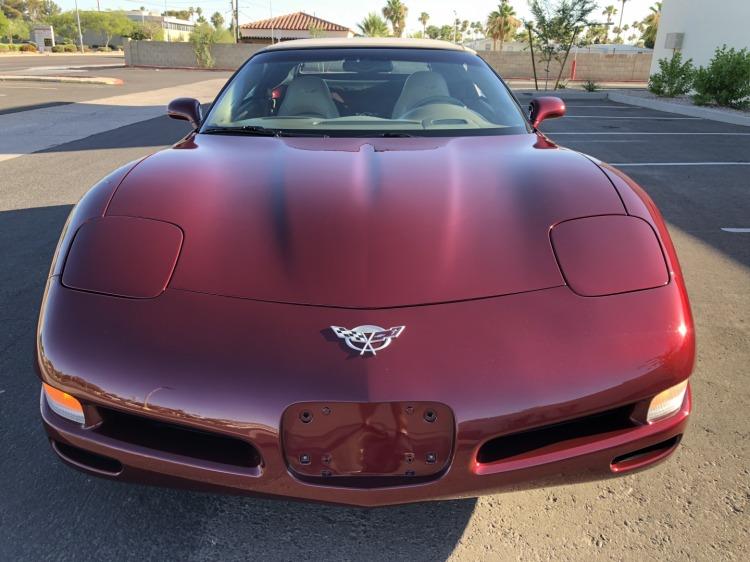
(381, 42)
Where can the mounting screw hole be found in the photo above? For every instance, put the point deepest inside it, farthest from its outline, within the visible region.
(430, 416)
(306, 416)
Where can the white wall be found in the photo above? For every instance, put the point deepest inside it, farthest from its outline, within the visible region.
(707, 24)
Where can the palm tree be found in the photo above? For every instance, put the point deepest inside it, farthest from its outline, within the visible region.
(610, 11)
(650, 25)
(622, 13)
(373, 26)
(424, 17)
(395, 12)
(477, 28)
(501, 23)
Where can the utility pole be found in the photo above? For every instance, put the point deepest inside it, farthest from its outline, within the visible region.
(270, 11)
(78, 21)
(236, 16)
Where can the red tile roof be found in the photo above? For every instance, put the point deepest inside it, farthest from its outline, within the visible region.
(298, 21)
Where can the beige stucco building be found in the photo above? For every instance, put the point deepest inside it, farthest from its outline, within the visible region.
(697, 27)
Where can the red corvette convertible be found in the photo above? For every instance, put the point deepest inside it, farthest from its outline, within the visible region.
(365, 278)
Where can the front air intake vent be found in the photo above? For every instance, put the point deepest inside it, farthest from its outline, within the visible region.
(177, 439)
(563, 434)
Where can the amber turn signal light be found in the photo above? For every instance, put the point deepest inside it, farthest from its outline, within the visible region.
(667, 402)
(63, 404)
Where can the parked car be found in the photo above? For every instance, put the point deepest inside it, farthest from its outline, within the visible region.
(365, 277)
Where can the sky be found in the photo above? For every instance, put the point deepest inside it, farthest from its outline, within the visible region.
(349, 12)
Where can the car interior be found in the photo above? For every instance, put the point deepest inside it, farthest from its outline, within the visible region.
(367, 93)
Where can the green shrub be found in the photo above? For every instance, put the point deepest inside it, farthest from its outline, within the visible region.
(27, 48)
(726, 81)
(58, 49)
(70, 48)
(674, 77)
(4, 48)
(202, 39)
(590, 86)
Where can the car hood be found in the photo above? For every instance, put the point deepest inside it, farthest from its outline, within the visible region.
(365, 223)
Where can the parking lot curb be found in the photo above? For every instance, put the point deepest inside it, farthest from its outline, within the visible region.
(689, 110)
(66, 79)
(524, 94)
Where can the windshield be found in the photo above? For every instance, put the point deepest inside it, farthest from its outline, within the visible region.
(365, 92)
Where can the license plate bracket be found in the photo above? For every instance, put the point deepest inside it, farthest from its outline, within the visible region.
(370, 439)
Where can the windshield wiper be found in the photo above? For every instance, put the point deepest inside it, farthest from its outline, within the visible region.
(254, 130)
(394, 135)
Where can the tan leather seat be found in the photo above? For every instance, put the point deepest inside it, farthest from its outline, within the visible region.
(417, 88)
(308, 96)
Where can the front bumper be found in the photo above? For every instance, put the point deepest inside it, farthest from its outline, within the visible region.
(597, 458)
(232, 368)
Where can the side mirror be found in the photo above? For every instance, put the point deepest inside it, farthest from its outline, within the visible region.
(187, 109)
(548, 107)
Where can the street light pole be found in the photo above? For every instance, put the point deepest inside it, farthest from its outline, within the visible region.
(78, 21)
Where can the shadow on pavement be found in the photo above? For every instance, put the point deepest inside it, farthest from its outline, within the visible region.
(50, 511)
(23, 108)
(158, 132)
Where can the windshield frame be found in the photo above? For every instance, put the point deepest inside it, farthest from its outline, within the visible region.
(526, 128)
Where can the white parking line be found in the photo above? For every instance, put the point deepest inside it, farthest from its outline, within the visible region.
(571, 106)
(736, 230)
(621, 133)
(8, 87)
(600, 141)
(627, 117)
(632, 164)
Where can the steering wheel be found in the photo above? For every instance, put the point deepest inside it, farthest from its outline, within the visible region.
(437, 99)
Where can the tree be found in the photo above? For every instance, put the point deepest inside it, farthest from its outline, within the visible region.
(424, 17)
(108, 24)
(65, 27)
(147, 31)
(40, 10)
(202, 38)
(395, 12)
(477, 28)
(179, 14)
(217, 20)
(14, 9)
(622, 13)
(5, 26)
(556, 27)
(501, 23)
(610, 12)
(13, 27)
(444, 32)
(650, 25)
(595, 34)
(373, 26)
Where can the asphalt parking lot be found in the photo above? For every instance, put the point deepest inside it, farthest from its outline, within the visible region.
(693, 507)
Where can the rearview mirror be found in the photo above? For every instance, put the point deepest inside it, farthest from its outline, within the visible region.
(187, 109)
(548, 107)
